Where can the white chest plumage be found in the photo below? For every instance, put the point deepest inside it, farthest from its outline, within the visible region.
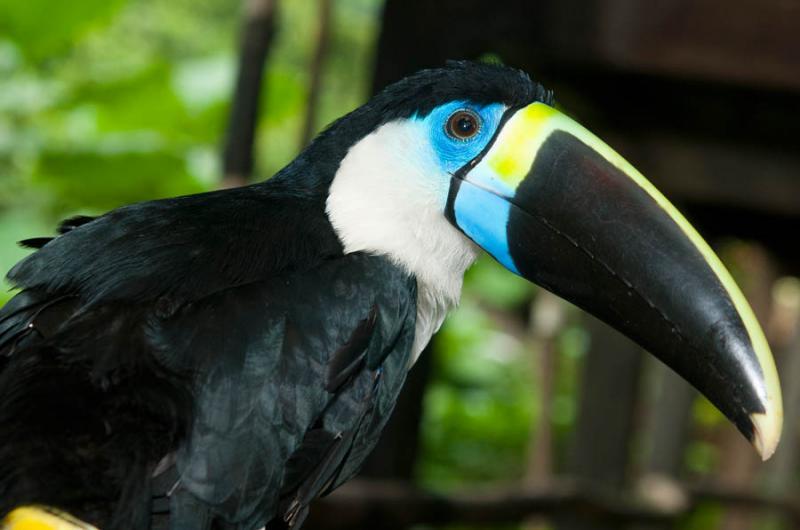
(388, 198)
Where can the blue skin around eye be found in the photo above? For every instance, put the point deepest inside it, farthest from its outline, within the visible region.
(451, 152)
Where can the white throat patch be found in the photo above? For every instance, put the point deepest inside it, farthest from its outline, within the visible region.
(388, 198)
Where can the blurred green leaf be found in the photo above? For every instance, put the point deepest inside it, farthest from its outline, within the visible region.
(201, 83)
(701, 457)
(43, 28)
(101, 181)
(573, 341)
(284, 95)
(145, 101)
(706, 414)
(493, 283)
(15, 226)
(706, 515)
(149, 101)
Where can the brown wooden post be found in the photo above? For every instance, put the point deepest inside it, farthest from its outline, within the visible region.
(669, 423)
(316, 69)
(667, 429)
(739, 464)
(604, 429)
(547, 320)
(779, 475)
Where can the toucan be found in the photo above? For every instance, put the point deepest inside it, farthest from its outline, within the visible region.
(220, 360)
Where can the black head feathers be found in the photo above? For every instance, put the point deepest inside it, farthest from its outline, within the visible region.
(480, 83)
(417, 94)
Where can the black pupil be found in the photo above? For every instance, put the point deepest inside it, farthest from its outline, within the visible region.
(464, 125)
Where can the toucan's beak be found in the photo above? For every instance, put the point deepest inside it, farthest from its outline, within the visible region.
(556, 205)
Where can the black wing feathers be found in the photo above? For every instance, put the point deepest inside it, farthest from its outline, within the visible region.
(185, 247)
(349, 358)
(65, 226)
(268, 434)
(227, 329)
(74, 222)
(35, 242)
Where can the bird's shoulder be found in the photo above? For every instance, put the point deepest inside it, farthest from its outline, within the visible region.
(183, 247)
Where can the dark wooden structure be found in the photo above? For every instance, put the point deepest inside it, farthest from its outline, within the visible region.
(703, 94)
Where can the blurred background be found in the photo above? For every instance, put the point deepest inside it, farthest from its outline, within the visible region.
(524, 412)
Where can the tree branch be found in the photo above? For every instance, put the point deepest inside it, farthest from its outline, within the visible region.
(316, 69)
(258, 33)
(376, 504)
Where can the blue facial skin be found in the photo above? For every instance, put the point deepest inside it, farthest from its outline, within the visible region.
(454, 153)
(480, 214)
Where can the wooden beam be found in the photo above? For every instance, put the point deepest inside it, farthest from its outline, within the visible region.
(692, 169)
(748, 42)
(780, 473)
(669, 422)
(318, 60)
(257, 34)
(603, 433)
(363, 504)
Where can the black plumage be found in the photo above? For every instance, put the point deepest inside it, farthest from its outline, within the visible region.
(215, 356)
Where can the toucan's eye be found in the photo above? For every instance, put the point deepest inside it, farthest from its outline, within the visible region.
(463, 124)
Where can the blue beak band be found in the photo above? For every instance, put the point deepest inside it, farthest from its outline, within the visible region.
(471, 206)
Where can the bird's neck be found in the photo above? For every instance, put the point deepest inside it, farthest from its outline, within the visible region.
(424, 245)
(375, 206)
